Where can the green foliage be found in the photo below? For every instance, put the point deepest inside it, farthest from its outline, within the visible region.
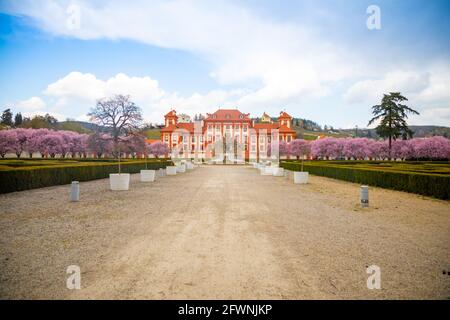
(39, 122)
(425, 178)
(17, 175)
(7, 118)
(18, 119)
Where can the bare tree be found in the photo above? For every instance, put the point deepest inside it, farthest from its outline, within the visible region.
(118, 114)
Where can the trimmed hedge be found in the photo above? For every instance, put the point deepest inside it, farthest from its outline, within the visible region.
(19, 179)
(434, 185)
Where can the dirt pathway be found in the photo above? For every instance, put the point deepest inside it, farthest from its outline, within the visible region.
(223, 232)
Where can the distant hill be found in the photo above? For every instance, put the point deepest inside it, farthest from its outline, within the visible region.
(305, 129)
(419, 132)
(78, 126)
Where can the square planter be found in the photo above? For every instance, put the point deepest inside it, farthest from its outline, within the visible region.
(278, 172)
(148, 175)
(161, 172)
(119, 182)
(266, 171)
(189, 165)
(171, 170)
(301, 177)
(181, 168)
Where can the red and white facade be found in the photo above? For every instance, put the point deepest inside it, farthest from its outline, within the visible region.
(229, 130)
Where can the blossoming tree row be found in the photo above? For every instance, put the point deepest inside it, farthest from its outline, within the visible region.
(49, 143)
(433, 148)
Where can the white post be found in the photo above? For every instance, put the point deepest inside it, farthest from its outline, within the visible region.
(75, 191)
(364, 197)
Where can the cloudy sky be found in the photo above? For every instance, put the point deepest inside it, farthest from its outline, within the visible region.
(315, 59)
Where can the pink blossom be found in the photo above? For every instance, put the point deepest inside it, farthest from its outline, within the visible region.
(299, 148)
(158, 148)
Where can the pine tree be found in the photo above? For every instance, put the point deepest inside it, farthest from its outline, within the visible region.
(392, 115)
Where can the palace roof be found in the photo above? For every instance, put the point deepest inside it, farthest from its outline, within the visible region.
(172, 113)
(231, 115)
(284, 114)
(272, 126)
(189, 126)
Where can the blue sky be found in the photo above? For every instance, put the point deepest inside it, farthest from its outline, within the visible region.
(314, 59)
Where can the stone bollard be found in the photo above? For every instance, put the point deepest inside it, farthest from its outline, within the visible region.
(75, 191)
(364, 197)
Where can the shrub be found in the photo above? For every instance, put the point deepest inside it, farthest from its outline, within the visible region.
(24, 178)
(435, 184)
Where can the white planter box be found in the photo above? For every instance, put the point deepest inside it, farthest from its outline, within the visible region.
(181, 168)
(148, 175)
(119, 181)
(278, 172)
(171, 170)
(189, 165)
(267, 171)
(301, 177)
(161, 172)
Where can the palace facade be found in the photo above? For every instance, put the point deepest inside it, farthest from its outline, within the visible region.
(227, 130)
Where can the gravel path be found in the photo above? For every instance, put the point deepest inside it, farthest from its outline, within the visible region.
(223, 232)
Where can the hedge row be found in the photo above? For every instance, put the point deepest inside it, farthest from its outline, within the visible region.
(37, 177)
(434, 185)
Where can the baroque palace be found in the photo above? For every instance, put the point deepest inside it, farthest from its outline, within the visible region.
(226, 131)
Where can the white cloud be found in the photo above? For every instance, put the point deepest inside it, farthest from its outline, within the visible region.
(281, 62)
(427, 91)
(287, 59)
(372, 90)
(34, 103)
(86, 86)
(75, 93)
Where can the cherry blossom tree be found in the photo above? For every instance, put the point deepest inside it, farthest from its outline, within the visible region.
(158, 149)
(7, 141)
(100, 144)
(356, 148)
(300, 148)
(434, 148)
(328, 148)
(51, 143)
(34, 141)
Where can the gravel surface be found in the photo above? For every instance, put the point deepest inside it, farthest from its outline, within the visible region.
(223, 232)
